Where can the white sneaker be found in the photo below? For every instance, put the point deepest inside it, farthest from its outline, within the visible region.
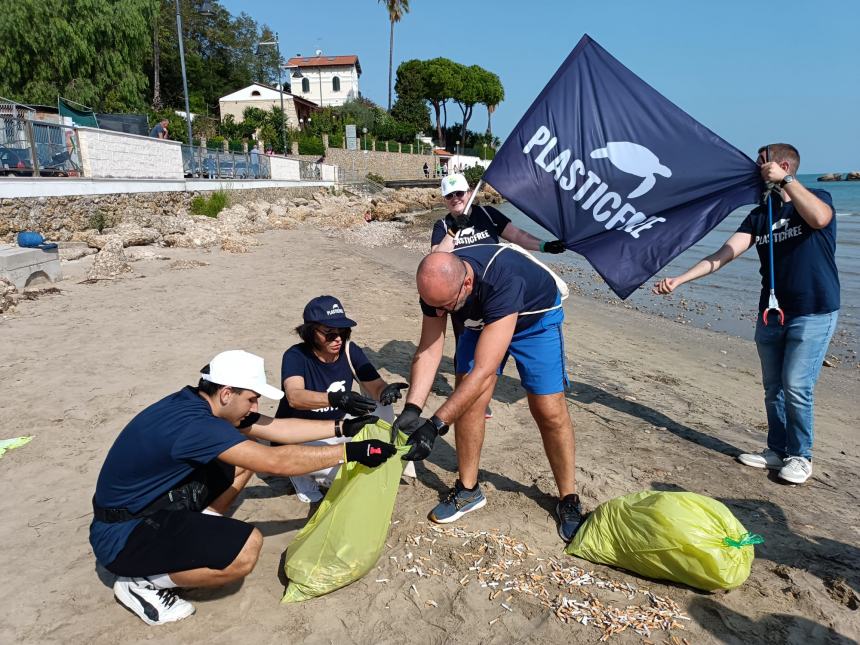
(153, 606)
(767, 458)
(796, 470)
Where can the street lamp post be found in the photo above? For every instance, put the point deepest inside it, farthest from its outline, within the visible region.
(277, 45)
(205, 10)
(364, 132)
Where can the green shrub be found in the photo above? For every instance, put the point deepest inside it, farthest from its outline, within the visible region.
(311, 146)
(335, 140)
(210, 206)
(474, 174)
(377, 179)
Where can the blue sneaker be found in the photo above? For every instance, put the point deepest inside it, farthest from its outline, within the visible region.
(457, 503)
(568, 512)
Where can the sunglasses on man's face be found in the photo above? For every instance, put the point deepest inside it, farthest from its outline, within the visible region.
(457, 194)
(330, 335)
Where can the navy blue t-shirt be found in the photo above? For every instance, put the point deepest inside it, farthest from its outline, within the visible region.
(804, 259)
(486, 227)
(159, 448)
(512, 284)
(300, 360)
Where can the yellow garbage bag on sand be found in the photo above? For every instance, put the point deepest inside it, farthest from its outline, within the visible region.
(683, 537)
(345, 537)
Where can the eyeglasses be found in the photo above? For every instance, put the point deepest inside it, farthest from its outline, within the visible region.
(330, 335)
(457, 194)
(459, 291)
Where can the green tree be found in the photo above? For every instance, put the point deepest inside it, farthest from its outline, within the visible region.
(396, 10)
(493, 94)
(90, 51)
(442, 82)
(411, 106)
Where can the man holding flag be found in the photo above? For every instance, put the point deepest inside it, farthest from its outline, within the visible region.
(791, 351)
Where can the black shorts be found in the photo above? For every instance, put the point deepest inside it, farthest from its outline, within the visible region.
(172, 541)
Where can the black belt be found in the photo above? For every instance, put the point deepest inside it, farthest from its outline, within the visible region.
(189, 497)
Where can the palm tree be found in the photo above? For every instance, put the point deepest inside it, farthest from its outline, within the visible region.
(396, 10)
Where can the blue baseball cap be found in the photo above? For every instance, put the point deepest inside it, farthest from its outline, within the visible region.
(34, 240)
(326, 310)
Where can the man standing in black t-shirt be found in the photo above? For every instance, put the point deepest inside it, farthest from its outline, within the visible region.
(180, 463)
(807, 287)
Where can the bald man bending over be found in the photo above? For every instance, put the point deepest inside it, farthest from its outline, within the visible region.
(509, 304)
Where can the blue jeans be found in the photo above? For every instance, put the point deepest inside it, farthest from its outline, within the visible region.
(791, 357)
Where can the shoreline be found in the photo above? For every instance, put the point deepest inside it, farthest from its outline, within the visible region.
(655, 406)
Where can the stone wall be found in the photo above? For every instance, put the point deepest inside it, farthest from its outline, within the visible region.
(107, 154)
(58, 218)
(391, 165)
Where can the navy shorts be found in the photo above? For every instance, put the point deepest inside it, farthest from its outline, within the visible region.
(172, 541)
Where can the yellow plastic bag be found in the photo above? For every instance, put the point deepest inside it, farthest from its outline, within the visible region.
(683, 537)
(345, 537)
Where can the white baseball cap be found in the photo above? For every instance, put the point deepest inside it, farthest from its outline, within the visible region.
(238, 368)
(453, 183)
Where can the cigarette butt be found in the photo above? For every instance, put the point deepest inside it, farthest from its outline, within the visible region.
(494, 620)
(505, 606)
(382, 580)
(431, 603)
(464, 580)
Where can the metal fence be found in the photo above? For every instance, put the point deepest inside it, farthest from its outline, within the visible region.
(38, 149)
(217, 164)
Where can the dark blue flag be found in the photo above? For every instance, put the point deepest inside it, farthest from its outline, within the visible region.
(619, 173)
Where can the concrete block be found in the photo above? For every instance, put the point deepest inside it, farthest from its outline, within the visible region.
(22, 266)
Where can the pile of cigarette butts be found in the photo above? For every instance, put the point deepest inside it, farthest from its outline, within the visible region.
(505, 566)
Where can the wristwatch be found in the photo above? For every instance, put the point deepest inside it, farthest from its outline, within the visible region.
(441, 426)
(786, 180)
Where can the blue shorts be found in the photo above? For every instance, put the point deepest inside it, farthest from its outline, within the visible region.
(538, 351)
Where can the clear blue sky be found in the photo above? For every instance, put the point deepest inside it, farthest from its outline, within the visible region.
(754, 72)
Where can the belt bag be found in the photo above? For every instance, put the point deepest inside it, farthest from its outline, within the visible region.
(560, 284)
(190, 497)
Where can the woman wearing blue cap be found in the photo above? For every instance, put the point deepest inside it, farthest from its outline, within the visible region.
(318, 374)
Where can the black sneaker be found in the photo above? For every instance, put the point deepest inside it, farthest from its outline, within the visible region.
(568, 513)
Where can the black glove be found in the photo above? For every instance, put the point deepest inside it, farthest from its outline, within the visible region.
(553, 246)
(372, 452)
(249, 420)
(351, 402)
(351, 427)
(391, 393)
(409, 419)
(421, 441)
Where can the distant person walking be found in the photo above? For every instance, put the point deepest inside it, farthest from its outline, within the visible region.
(426, 171)
(807, 286)
(159, 131)
(255, 161)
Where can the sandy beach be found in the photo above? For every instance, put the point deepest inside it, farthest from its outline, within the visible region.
(656, 406)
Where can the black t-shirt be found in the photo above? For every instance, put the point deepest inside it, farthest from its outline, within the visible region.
(512, 284)
(804, 259)
(300, 360)
(485, 227)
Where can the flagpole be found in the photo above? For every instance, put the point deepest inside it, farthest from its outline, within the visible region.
(468, 208)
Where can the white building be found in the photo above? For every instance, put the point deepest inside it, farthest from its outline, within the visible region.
(265, 97)
(325, 80)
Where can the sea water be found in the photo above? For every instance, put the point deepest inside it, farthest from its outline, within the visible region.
(728, 300)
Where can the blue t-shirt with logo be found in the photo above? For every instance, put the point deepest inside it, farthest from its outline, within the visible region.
(804, 259)
(158, 449)
(513, 283)
(300, 360)
(485, 227)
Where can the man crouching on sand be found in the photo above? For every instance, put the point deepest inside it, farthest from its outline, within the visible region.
(177, 466)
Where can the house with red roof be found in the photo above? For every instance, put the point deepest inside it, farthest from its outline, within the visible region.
(325, 80)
